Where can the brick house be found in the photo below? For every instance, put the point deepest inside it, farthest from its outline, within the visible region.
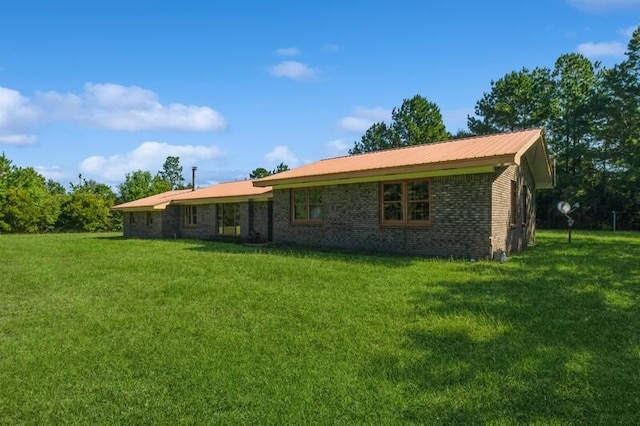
(470, 198)
(235, 210)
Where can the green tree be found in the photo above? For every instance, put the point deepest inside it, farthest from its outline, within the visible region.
(172, 173)
(25, 202)
(138, 184)
(416, 122)
(280, 168)
(87, 207)
(519, 100)
(259, 172)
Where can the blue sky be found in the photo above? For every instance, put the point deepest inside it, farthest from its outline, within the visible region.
(104, 88)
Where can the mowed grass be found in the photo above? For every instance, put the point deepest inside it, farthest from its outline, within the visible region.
(95, 329)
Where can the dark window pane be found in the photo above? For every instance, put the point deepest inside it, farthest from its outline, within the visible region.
(300, 211)
(315, 196)
(315, 212)
(418, 190)
(392, 211)
(299, 197)
(392, 192)
(418, 211)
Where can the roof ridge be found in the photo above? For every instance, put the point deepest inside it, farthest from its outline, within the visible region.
(399, 148)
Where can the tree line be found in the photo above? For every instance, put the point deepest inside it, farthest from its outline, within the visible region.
(30, 203)
(591, 117)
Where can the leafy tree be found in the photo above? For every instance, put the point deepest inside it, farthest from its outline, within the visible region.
(258, 173)
(25, 202)
(138, 184)
(87, 208)
(416, 122)
(519, 100)
(280, 168)
(261, 172)
(172, 173)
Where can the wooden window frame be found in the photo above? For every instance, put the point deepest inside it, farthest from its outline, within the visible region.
(308, 206)
(191, 216)
(405, 202)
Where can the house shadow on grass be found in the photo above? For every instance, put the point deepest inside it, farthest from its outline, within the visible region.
(551, 337)
(297, 251)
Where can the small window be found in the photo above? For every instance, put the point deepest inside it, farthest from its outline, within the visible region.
(132, 218)
(149, 218)
(514, 205)
(190, 215)
(406, 202)
(306, 205)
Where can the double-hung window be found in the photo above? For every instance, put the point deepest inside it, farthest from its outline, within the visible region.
(406, 202)
(190, 215)
(306, 205)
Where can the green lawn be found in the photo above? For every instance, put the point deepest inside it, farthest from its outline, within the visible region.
(95, 329)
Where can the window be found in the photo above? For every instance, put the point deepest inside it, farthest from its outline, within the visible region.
(190, 215)
(525, 212)
(307, 205)
(514, 206)
(406, 202)
(132, 218)
(149, 218)
(229, 219)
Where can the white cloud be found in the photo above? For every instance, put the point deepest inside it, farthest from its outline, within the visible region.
(337, 147)
(362, 118)
(598, 50)
(17, 116)
(148, 156)
(282, 154)
(287, 51)
(55, 172)
(604, 5)
(116, 107)
(16, 139)
(294, 70)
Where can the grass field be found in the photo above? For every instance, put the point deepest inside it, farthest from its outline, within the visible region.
(95, 329)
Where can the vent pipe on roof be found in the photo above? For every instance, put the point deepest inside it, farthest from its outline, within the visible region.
(193, 178)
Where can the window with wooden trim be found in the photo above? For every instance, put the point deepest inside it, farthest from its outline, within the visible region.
(190, 215)
(513, 211)
(306, 205)
(149, 218)
(525, 211)
(229, 219)
(406, 202)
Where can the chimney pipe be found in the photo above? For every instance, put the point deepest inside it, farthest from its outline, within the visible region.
(193, 178)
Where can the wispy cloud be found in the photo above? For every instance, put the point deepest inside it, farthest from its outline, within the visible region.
(148, 156)
(599, 50)
(336, 147)
(361, 119)
(282, 154)
(597, 6)
(294, 70)
(628, 32)
(288, 51)
(54, 172)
